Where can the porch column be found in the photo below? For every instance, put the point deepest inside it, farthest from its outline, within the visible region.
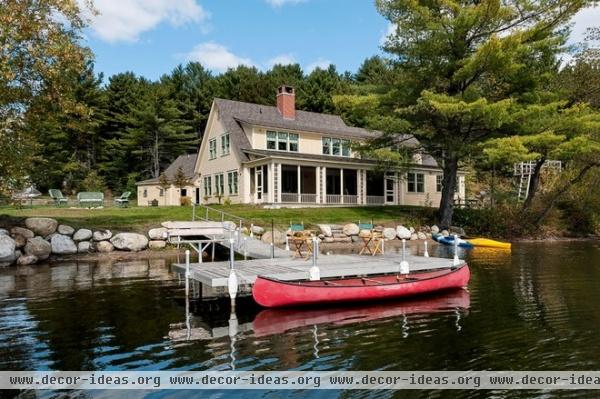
(271, 185)
(324, 169)
(341, 185)
(245, 186)
(318, 183)
(255, 196)
(278, 166)
(364, 186)
(299, 181)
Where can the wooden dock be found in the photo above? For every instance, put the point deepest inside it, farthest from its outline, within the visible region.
(215, 274)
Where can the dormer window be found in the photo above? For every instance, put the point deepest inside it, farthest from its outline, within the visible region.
(282, 141)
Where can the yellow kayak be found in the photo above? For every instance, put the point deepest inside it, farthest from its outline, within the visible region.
(486, 242)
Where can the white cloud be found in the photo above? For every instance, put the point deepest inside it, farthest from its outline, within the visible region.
(125, 20)
(586, 18)
(216, 57)
(279, 3)
(391, 29)
(282, 59)
(319, 63)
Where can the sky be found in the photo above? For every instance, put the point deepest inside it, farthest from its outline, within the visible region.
(151, 37)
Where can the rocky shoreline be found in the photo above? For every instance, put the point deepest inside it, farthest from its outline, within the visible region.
(37, 239)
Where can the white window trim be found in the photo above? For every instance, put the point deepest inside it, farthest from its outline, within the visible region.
(236, 179)
(225, 150)
(287, 141)
(342, 141)
(212, 155)
(415, 183)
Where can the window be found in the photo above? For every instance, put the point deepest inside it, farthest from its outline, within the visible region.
(212, 149)
(161, 192)
(282, 141)
(332, 146)
(219, 184)
(326, 146)
(438, 183)
(346, 148)
(232, 182)
(225, 145)
(184, 192)
(145, 193)
(271, 140)
(207, 186)
(416, 183)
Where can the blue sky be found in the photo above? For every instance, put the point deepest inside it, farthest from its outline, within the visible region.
(151, 37)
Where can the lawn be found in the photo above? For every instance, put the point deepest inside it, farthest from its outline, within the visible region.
(142, 218)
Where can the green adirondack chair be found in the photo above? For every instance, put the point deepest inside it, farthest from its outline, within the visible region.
(57, 196)
(123, 200)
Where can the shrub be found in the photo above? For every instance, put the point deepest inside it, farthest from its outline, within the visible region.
(185, 201)
(93, 182)
(227, 201)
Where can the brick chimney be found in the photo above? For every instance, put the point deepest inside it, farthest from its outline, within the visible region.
(286, 102)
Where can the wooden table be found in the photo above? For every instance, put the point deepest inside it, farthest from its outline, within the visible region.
(302, 240)
(372, 244)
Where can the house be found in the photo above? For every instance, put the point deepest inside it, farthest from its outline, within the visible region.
(257, 154)
(150, 190)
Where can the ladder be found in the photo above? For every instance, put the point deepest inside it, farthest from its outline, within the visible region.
(524, 171)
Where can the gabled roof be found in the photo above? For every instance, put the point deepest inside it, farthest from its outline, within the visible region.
(186, 162)
(233, 113)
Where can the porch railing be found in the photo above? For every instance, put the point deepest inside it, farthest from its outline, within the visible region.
(350, 199)
(305, 198)
(375, 199)
(334, 199)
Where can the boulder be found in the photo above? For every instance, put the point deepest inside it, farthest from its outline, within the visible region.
(325, 230)
(340, 235)
(343, 239)
(257, 230)
(403, 233)
(435, 229)
(7, 250)
(104, 246)
(389, 233)
(65, 230)
(84, 247)
(82, 235)
(414, 236)
(277, 236)
(38, 247)
(421, 235)
(355, 238)
(129, 241)
(351, 229)
(3, 232)
(27, 260)
(102, 235)
(457, 230)
(41, 226)
(63, 245)
(20, 241)
(445, 233)
(328, 239)
(159, 233)
(22, 231)
(157, 244)
(411, 229)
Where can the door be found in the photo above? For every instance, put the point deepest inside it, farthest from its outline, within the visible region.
(197, 195)
(259, 184)
(390, 190)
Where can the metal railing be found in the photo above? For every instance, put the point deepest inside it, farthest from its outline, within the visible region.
(350, 199)
(307, 198)
(207, 213)
(334, 198)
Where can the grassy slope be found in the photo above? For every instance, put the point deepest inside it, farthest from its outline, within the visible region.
(142, 218)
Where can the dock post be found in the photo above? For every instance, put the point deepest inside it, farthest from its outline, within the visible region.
(426, 253)
(245, 248)
(213, 249)
(404, 267)
(314, 272)
(187, 273)
(456, 261)
(232, 281)
(287, 242)
(251, 230)
(272, 239)
(383, 246)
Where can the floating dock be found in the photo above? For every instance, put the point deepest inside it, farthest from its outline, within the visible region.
(215, 274)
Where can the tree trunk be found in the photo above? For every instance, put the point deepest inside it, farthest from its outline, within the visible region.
(535, 182)
(550, 204)
(155, 156)
(446, 209)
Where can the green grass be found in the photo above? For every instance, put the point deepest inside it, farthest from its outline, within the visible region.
(142, 218)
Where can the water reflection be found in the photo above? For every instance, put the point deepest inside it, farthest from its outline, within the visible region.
(533, 308)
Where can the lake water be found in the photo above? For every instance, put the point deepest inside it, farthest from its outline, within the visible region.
(537, 308)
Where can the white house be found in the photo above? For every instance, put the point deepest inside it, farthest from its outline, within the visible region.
(257, 154)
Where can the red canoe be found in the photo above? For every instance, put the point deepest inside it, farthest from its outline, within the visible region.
(278, 321)
(272, 293)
